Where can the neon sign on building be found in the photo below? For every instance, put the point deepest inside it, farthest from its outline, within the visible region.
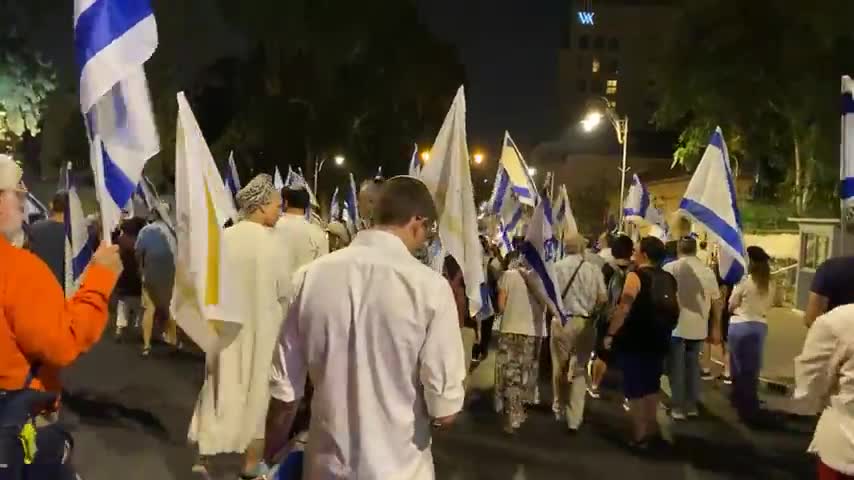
(586, 18)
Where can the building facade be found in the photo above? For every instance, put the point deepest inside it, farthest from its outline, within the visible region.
(610, 49)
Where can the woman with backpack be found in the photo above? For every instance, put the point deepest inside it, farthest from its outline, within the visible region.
(750, 302)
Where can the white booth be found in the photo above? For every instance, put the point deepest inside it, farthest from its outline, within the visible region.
(821, 238)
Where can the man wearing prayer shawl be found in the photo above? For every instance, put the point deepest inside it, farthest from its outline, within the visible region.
(230, 412)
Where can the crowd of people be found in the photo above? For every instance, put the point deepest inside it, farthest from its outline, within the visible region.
(353, 347)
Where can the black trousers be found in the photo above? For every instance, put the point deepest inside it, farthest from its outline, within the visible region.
(482, 348)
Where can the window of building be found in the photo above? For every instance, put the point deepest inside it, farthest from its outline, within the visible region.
(581, 85)
(815, 249)
(599, 43)
(611, 87)
(613, 44)
(597, 87)
(595, 66)
(613, 66)
(584, 42)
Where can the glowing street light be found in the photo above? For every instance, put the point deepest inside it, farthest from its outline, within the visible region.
(532, 171)
(339, 160)
(621, 128)
(591, 121)
(478, 158)
(425, 156)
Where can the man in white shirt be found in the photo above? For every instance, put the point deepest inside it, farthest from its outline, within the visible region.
(582, 288)
(377, 332)
(699, 295)
(302, 240)
(823, 373)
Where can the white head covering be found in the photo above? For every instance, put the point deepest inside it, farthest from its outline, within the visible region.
(11, 174)
(255, 194)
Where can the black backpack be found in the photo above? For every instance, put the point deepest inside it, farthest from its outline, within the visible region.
(663, 298)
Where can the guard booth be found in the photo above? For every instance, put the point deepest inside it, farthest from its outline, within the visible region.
(821, 238)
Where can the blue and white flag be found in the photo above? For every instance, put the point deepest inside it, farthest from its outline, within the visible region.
(637, 201)
(505, 202)
(351, 201)
(846, 190)
(519, 176)
(34, 208)
(277, 179)
(297, 179)
(505, 243)
(232, 179)
(414, 163)
(564, 220)
(79, 246)
(710, 201)
(334, 207)
(540, 250)
(113, 39)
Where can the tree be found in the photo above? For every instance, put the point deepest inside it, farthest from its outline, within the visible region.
(768, 72)
(363, 79)
(26, 79)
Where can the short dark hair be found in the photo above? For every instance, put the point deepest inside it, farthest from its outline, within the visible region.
(622, 247)
(401, 199)
(295, 198)
(132, 226)
(687, 246)
(654, 249)
(59, 202)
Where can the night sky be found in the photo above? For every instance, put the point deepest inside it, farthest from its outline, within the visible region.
(510, 51)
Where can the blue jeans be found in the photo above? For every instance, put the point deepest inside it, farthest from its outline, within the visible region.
(746, 343)
(684, 370)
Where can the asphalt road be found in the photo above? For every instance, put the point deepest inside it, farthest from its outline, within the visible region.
(129, 416)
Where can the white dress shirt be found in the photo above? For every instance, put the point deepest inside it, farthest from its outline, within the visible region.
(586, 290)
(824, 378)
(378, 334)
(302, 240)
(697, 287)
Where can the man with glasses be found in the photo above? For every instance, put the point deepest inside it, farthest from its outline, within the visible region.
(40, 333)
(377, 331)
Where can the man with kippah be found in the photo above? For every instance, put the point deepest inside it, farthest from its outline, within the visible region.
(232, 405)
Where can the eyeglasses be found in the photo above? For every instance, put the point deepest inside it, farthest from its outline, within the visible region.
(430, 226)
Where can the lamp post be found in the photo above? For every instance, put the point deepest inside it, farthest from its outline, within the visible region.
(318, 166)
(621, 127)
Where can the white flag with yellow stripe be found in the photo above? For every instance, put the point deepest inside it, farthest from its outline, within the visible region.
(521, 182)
(201, 302)
(448, 177)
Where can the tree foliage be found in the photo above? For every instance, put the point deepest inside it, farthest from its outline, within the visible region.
(767, 72)
(362, 79)
(26, 79)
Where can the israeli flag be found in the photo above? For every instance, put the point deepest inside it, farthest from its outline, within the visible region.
(232, 179)
(297, 180)
(505, 201)
(414, 163)
(846, 190)
(637, 201)
(334, 207)
(564, 218)
(112, 40)
(710, 201)
(79, 246)
(519, 177)
(503, 240)
(34, 208)
(277, 179)
(540, 250)
(352, 203)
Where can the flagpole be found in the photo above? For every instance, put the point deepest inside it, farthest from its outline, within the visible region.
(843, 218)
(623, 126)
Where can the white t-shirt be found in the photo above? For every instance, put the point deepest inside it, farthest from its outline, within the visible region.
(752, 304)
(302, 241)
(697, 287)
(523, 314)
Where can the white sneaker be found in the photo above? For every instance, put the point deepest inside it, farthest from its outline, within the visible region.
(693, 413)
(559, 416)
(677, 415)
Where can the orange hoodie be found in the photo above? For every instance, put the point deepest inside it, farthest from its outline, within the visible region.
(38, 324)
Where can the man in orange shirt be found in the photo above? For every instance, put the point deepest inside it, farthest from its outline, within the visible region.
(41, 332)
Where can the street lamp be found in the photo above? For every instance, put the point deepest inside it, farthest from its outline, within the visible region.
(478, 158)
(621, 127)
(532, 171)
(318, 166)
(425, 156)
